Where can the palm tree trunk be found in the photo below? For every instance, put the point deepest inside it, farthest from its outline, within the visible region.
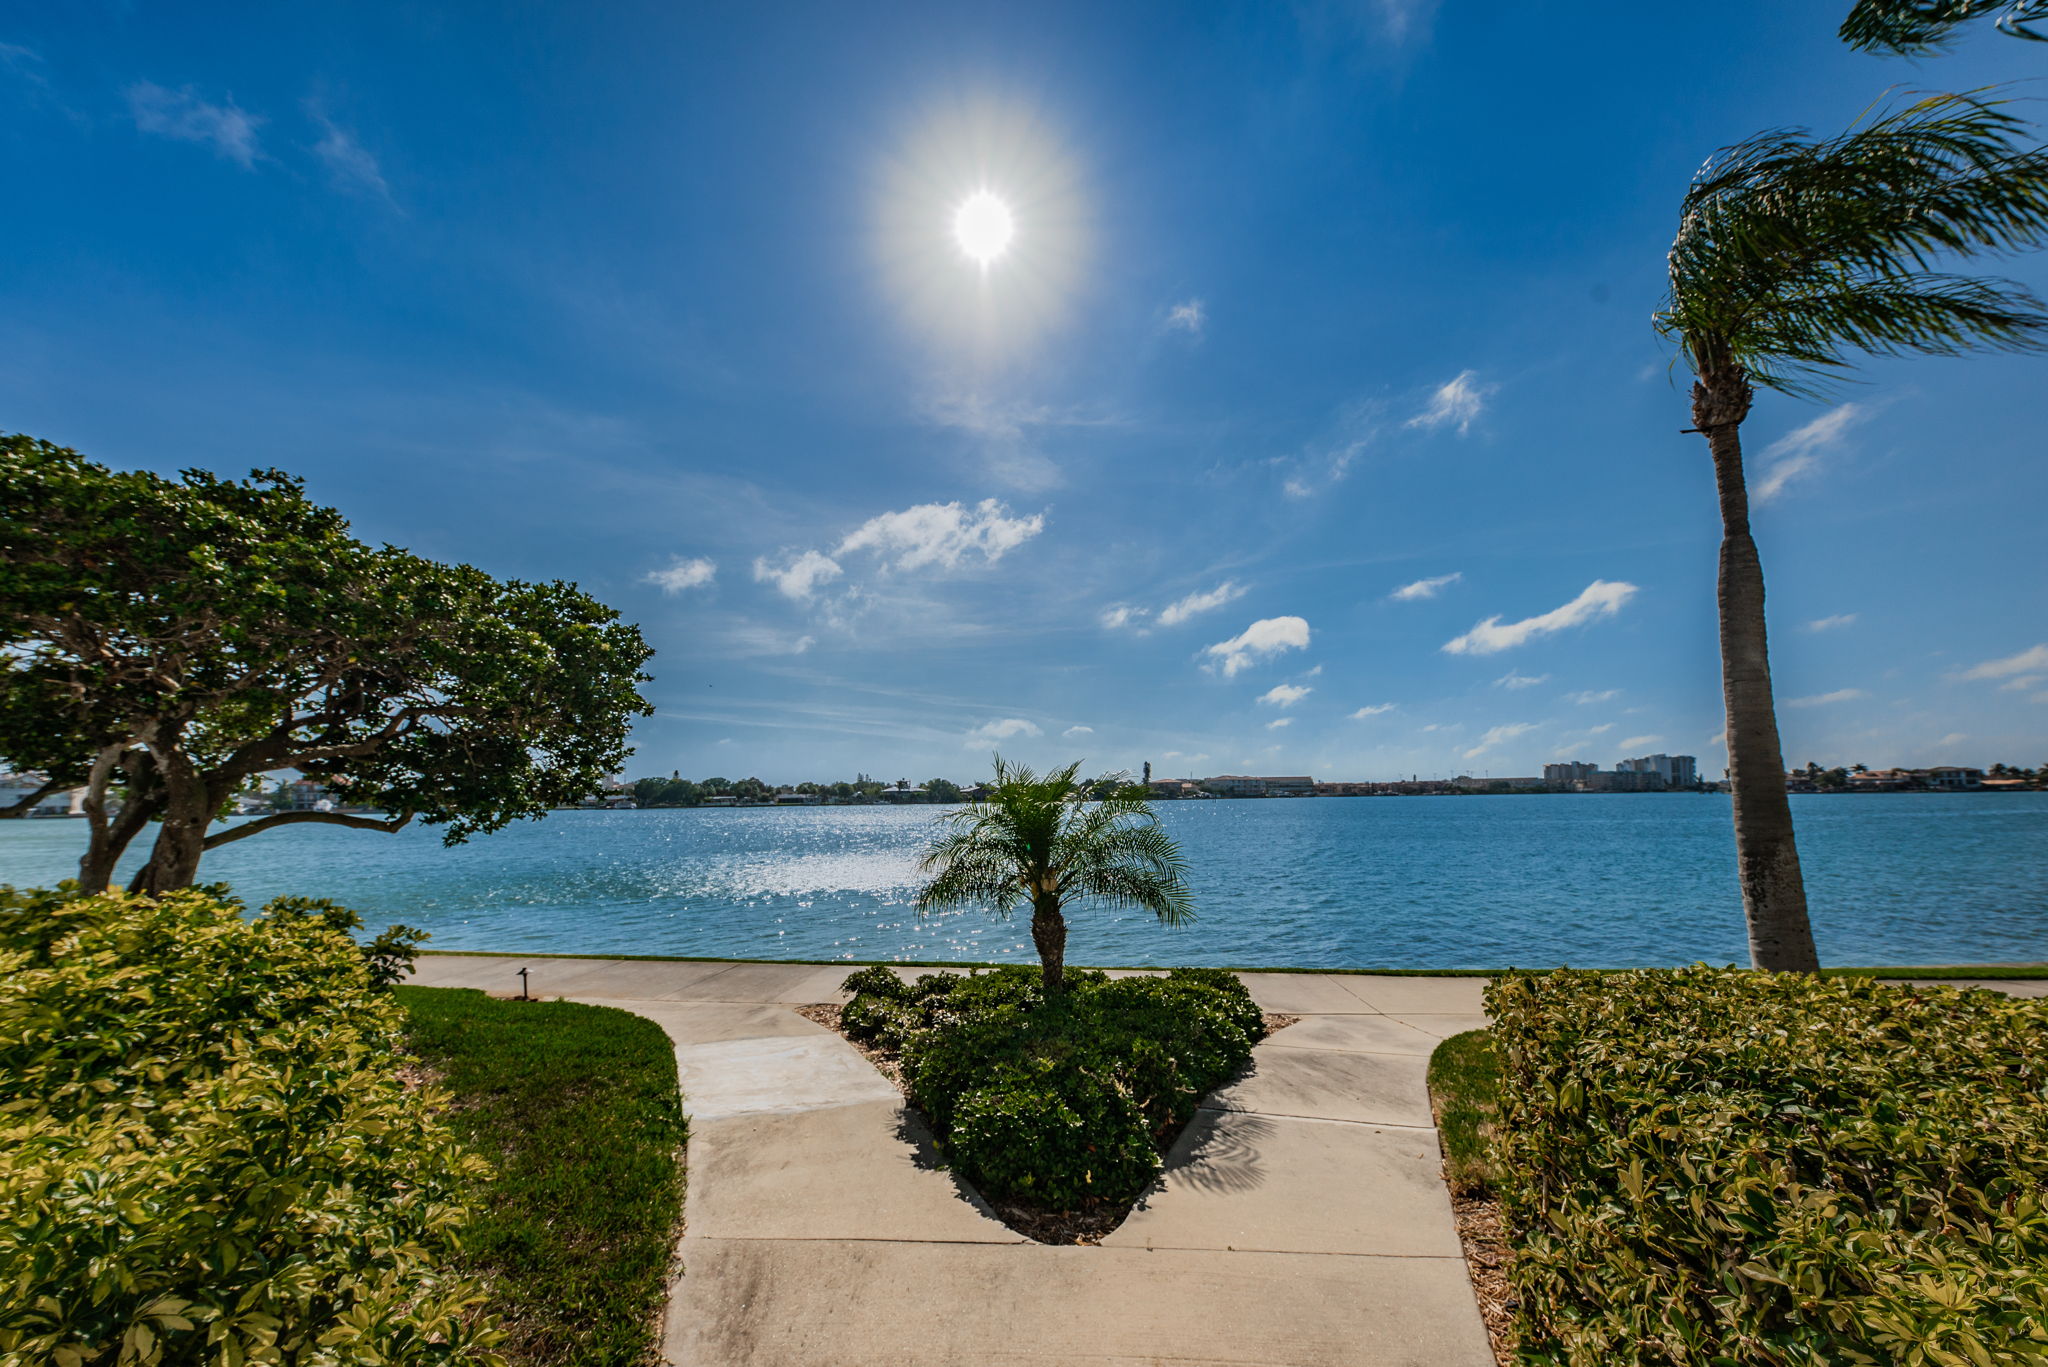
(1766, 855)
(1049, 933)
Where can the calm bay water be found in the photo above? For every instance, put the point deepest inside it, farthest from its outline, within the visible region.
(1329, 882)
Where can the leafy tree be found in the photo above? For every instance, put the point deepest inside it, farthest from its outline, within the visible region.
(942, 790)
(1923, 26)
(1047, 842)
(165, 641)
(1792, 251)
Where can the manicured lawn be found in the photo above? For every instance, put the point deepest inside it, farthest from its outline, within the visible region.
(577, 1110)
(1464, 1084)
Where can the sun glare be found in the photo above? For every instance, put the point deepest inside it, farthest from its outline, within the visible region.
(983, 227)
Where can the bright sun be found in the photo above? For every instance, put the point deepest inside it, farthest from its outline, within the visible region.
(983, 227)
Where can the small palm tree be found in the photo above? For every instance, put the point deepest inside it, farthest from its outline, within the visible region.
(1053, 842)
(1924, 26)
(1790, 253)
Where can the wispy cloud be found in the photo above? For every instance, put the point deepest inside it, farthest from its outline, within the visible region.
(1120, 616)
(943, 534)
(1834, 623)
(1640, 742)
(1173, 614)
(684, 574)
(1189, 316)
(1279, 722)
(1073, 731)
(1514, 680)
(2032, 660)
(1587, 697)
(1262, 639)
(800, 577)
(227, 128)
(1499, 735)
(1007, 430)
(1454, 404)
(1190, 759)
(1798, 453)
(351, 165)
(1425, 588)
(1378, 709)
(2021, 684)
(1005, 728)
(1601, 598)
(1284, 695)
(1827, 699)
(1327, 462)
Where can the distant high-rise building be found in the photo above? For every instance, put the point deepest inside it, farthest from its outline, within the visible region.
(1569, 772)
(1677, 771)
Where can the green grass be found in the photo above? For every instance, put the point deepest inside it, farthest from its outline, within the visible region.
(2006, 972)
(576, 1108)
(1464, 1088)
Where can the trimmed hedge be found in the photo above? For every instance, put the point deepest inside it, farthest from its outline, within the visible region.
(1710, 1166)
(206, 1154)
(1066, 1102)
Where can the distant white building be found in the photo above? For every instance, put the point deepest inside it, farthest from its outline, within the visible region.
(1677, 771)
(1955, 777)
(1569, 772)
(15, 787)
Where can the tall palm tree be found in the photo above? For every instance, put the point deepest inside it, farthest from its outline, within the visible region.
(1923, 26)
(1053, 842)
(1791, 253)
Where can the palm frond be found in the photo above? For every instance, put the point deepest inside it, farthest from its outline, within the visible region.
(1792, 252)
(1923, 26)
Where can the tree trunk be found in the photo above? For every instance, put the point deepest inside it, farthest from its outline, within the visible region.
(1766, 855)
(188, 810)
(107, 838)
(1049, 933)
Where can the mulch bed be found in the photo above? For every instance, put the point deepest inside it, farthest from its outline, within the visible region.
(1486, 1259)
(1088, 1226)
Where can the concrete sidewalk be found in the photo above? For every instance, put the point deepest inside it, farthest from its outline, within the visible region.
(1301, 1220)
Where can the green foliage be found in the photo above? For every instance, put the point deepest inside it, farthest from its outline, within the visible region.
(206, 1154)
(176, 637)
(1792, 251)
(388, 957)
(578, 1107)
(877, 982)
(1464, 1093)
(1707, 1166)
(1924, 26)
(1067, 1099)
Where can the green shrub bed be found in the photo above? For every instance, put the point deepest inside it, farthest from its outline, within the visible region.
(206, 1153)
(575, 1231)
(1721, 1167)
(1065, 1102)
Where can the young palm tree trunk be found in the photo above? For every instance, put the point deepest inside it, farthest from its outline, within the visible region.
(1049, 933)
(1766, 856)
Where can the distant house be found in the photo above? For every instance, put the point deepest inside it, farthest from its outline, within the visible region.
(1954, 778)
(789, 797)
(722, 800)
(1247, 785)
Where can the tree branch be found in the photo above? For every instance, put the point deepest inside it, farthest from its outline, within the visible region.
(23, 806)
(360, 823)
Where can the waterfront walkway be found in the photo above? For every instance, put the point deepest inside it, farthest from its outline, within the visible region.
(1301, 1220)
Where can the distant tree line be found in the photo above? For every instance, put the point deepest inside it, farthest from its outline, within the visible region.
(677, 791)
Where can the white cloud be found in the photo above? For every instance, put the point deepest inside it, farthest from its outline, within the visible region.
(1602, 729)
(1600, 599)
(1118, 617)
(943, 534)
(1954, 738)
(1073, 731)
(1640, 742)
(1834, 623)
(801, 577)
(227, 128)
(2032, 660)
(1497, 736)
(1003, 729)
(1798, 452)
(1375, 710)
(748, 639)
(1191, 759)
(1189, 317)
(1265, 637)
(1173, 614)
(352, 165)
(1827, 699)
(2019, 685)
(684, 574)
(1284, 695)
(1586, 697)
(1514, 680)
(1720, 739)
(1279, 722)
(1327, 462)
(1455, 403)
(1425, 588)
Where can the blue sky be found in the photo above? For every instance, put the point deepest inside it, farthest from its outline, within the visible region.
(1312, 422)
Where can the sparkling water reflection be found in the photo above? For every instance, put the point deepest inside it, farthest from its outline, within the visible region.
(1334, 882)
